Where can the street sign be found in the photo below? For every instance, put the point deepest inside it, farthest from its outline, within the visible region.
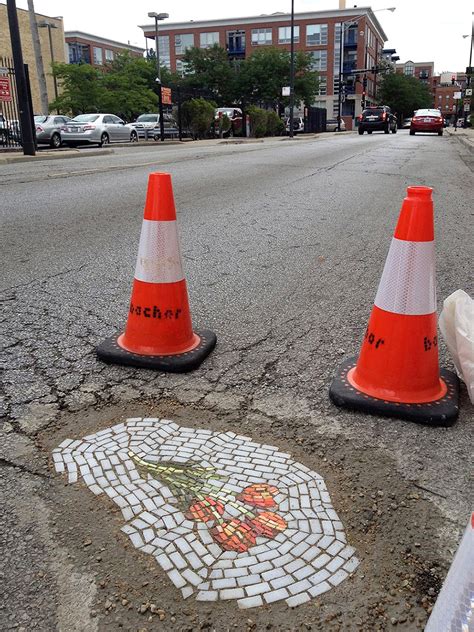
(468, 92)
(166, 96)
(285, 91)
(5, 89)
(457, 95)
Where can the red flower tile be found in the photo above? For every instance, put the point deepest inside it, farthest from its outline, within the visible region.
(259, 495)
(234, 535)
(267, 524)
(206, 510)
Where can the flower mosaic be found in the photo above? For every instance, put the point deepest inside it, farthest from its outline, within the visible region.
(225, 517)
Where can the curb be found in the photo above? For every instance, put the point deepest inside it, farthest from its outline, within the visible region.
(57, 155)
(463, 138)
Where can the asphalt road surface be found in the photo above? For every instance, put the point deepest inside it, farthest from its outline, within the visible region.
(283, 245)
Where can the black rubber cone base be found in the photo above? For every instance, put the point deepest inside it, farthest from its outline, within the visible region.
(442, 412)
(110, 351)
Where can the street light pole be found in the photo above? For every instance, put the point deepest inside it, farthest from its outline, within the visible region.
(26, 116)
(292, 66)
(49, 26)
(468, 78)
(157, 17)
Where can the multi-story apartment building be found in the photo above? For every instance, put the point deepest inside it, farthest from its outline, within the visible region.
(97, 51)
(317, 32)
(50, 49)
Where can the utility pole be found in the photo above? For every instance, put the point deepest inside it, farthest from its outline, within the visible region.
(43, 90)
(26, 116)
(292, 67)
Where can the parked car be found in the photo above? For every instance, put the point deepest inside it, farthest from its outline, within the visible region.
(428, 120)
(10, 132)
(235, 117)
(298, 125)
(377, 118)
(49, 129)
(100, 129)
(331, 125)
(406, 123)
(148, 125)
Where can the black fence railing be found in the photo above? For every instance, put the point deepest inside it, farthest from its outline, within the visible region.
(10, 133)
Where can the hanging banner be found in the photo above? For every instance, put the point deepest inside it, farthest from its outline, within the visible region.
(166, 96)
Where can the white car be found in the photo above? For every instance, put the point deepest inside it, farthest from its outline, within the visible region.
(331, 125)
(97, 129)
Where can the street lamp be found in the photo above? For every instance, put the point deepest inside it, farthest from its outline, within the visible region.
(50, 25)
(469, 72)
(157, 17)
(341, 58)
(292, 66)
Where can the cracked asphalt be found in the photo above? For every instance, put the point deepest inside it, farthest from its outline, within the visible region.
(283, 245)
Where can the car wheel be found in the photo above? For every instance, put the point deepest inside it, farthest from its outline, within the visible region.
(55, 141)
(133, 137)
(361, 131)
(412, 132)
(440, 133)
(104, 139)
(369, 131)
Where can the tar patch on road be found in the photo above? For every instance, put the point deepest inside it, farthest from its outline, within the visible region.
(391, 526)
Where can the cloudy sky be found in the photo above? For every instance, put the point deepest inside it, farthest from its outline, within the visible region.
(420, 30)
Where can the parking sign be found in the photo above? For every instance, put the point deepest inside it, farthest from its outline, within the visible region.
(5, 89)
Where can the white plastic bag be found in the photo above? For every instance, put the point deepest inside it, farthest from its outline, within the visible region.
(457, 326)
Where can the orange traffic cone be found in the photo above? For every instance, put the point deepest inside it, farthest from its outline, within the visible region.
(397, 373)
(159, 333)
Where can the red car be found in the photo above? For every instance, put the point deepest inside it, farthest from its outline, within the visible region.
(427, 121)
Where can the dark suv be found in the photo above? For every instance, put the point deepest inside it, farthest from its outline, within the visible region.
(378, 118)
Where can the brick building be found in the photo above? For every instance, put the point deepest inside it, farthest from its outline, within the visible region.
(422, 70)
(57, 36)
(448, 86)
(97, 51)
(317, 32)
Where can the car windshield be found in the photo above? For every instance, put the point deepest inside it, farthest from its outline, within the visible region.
(427, 113)
(147, 118)
(373, 111)
(85, 118)
(226, 111)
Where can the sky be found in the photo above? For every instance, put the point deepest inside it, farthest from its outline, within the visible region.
(420, 30)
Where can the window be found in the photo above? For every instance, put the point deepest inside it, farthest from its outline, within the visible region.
(79, 53)
(183, 42)
(206, 40)
(320, 103)
(109, 55)
(320, 60)
(409, 68)
(323, 86)
(98, 56)
(316, 34)
(164, 50)
(284, 34)
(260, 37)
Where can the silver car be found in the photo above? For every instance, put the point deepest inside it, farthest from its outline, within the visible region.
(331, 125)
(148, 126)
(49, 129)
(100, 129)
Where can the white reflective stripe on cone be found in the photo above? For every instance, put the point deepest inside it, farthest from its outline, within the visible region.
(408, 284)
(159, 258)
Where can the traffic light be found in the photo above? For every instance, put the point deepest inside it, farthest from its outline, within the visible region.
(364, 83)
(452, 79)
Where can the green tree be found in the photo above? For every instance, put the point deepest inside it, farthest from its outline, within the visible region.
(129, 83)
(81, 89)
(209, 69)
(404, 94)
(267, 70)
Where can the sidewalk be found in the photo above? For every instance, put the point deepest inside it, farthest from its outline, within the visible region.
(465, 136)
(10, 157)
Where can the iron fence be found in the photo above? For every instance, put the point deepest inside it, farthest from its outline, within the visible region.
(10, 132)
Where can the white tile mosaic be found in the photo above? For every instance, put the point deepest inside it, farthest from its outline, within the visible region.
(225, 517)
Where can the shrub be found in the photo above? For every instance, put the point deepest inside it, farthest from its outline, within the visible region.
(258, 121)
(275, 126)
(198, 116)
